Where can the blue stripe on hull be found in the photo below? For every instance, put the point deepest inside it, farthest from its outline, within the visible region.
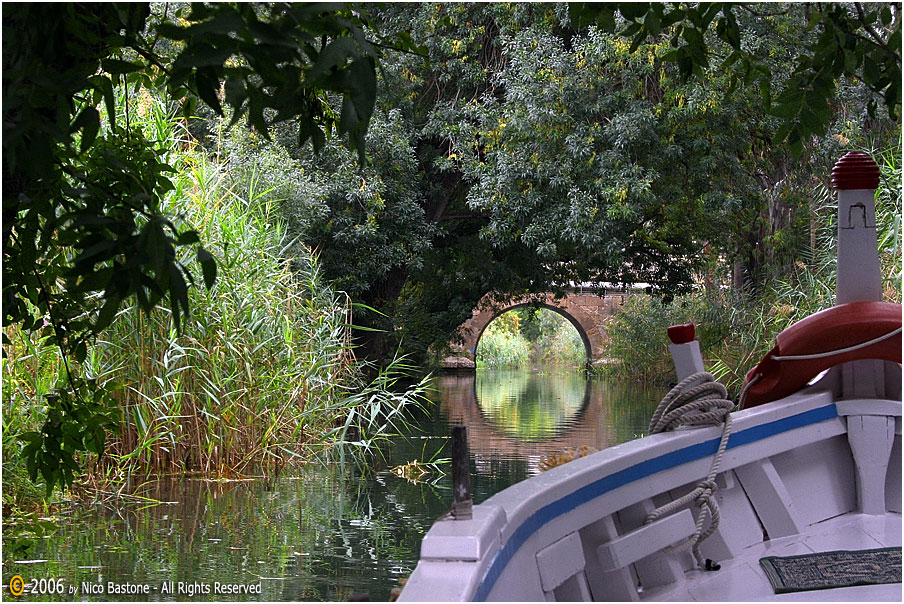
(637, 472)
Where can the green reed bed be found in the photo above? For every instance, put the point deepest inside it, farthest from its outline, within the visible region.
(263, 372)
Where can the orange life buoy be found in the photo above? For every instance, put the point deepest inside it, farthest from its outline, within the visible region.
(858, 330)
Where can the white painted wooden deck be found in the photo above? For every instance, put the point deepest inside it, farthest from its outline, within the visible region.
(743, 579)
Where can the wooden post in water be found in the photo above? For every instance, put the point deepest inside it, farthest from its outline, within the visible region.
(461, 478)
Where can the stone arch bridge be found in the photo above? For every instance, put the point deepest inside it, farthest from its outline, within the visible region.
(588, 312)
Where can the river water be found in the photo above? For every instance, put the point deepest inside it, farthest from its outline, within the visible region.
(326, 533)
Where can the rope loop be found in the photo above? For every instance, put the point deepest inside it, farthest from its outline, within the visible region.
(697, 400)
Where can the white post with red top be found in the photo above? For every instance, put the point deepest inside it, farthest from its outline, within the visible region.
(685, 350)
(859, 278)
(870, 426)
(856, 177)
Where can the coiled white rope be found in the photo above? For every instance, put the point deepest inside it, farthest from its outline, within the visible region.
(698, 400)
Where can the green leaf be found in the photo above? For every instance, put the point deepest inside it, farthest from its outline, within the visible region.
(606, 19)
(350, 119)
(173, 32)
(727, 29)
(205, 54)
(695, 45)
(335, 53)
(207, 86)
(672, 17)
(638, 40)
(235, 95)
(107, 313)
(851, 61)
(118, 66)
(188, 237)
(208, 266)
(894, 41)
(95, 439)
(685, 63)
(362, 87)
(88, 121)
(102, 248)
(225, 19)
(633, 10)
(256, 112)
(307, 128)
(104, 86)
(893, 97)
(632, 29)
(870, 72)
(178, 296)
(782, 133)
(651, 23)
(80, 352)
(788, 103)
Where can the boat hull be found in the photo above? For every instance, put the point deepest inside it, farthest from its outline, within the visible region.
(578, 531)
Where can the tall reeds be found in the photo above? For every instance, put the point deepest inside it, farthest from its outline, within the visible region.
(263, 371)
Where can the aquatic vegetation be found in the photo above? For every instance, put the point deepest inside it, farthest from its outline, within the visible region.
(426, 470)
(263, 371)
(416, 471)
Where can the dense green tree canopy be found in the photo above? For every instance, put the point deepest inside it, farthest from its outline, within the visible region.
(549, 151)
(858, 40)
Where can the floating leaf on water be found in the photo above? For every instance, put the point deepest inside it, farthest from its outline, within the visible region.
(415, 471)
(563, 457)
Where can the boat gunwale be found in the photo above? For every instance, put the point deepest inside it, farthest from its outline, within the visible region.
(527, 517)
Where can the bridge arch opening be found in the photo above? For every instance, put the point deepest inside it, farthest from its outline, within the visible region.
(537, 329)
(589, 313)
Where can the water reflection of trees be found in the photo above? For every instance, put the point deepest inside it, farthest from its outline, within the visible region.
(609, 413)
(320, 535)
(531, 405)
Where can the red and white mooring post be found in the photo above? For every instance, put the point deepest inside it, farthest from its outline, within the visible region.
(685, 350)
(856, 177)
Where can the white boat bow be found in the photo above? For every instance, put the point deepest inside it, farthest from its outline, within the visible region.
(813, 472)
